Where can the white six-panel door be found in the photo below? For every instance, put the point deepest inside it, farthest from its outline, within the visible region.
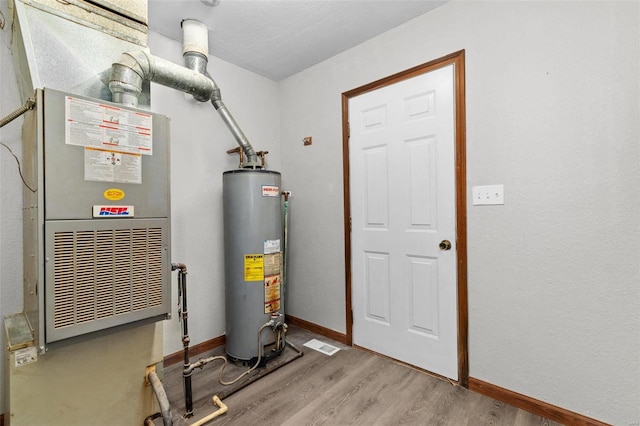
(402, 186)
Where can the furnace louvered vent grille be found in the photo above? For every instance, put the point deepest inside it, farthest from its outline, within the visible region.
(105, 273)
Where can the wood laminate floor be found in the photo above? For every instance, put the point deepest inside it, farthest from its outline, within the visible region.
(352, 387)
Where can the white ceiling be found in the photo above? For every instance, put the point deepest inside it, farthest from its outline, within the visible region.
(278, 38)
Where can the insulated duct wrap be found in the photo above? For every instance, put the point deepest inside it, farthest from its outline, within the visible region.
(195, 37)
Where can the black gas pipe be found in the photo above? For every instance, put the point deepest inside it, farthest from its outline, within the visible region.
(184, 315)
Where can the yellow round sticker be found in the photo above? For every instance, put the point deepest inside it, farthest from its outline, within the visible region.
(114, 194)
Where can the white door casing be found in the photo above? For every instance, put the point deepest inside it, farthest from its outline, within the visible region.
(403, 196)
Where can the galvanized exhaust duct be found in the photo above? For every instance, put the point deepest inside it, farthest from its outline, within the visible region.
(134, 68)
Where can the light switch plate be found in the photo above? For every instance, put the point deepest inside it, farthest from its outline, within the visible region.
(488, 195)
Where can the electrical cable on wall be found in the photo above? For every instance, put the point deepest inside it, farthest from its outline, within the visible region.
(19, 168)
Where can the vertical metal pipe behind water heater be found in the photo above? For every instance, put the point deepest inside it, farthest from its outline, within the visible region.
(253, 259)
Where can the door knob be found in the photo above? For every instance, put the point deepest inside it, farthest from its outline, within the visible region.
(445, 245)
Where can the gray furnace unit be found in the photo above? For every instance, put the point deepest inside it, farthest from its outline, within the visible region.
(96, 216)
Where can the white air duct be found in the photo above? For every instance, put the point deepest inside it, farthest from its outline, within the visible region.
(195, 37)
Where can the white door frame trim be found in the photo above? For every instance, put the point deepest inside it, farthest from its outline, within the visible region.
(457, 59)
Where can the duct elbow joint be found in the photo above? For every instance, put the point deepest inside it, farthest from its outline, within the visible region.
(200, 97)
(124, 93)
(134, 68)
(127, 76)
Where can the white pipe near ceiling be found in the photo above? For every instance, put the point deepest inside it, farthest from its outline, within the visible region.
(195, 37)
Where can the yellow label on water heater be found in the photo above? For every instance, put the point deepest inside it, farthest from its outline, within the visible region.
(113, 194)
(254, 267)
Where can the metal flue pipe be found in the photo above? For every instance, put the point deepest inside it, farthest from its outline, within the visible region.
(196, 61)
(195, 48)
(252, 158)
(134, 68)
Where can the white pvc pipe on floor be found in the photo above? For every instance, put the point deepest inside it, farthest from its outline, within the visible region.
(221, 410)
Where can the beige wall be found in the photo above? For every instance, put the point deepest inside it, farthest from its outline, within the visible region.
(553, 114)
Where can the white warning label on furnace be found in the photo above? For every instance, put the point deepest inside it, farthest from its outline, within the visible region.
(93, 124)
(103, 165)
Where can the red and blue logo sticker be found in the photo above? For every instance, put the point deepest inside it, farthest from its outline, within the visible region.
(113, 211)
